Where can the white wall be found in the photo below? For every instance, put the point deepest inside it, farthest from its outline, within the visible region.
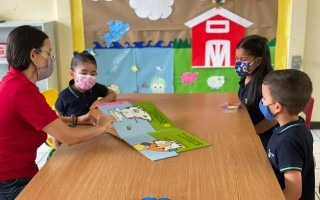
(65, 41)
(297, 31)
(311, 62)
(304, 41)
(46, 10)
(28, 10)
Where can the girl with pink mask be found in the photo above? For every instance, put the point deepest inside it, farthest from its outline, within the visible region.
(83, 91)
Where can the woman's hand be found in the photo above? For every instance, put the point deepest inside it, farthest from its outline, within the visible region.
(105, 121)
(87, 119)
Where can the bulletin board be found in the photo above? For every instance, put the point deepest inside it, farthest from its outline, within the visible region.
(144, 47)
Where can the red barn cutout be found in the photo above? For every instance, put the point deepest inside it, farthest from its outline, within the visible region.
(215, 35)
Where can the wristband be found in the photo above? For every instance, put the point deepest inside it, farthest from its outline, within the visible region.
(74, 121)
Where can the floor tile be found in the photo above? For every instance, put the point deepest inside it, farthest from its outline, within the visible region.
(42, 161)
(316, 151)
(316, 135)
(316, 147)
(42, 154)
(317, 158)
(43, 148)
(317, 195)
(317, 177)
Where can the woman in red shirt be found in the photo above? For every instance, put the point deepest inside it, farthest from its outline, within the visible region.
(25, 117)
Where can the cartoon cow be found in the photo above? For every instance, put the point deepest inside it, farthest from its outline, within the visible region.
(134, 112)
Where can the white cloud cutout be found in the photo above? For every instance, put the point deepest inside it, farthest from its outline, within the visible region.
(152, 9)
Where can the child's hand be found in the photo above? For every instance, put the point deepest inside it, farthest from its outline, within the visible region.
(110, 97)
(87, 119)
(94, 104)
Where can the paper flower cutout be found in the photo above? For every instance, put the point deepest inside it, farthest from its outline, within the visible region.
(134, 68)
(153, 10)
(114, 87)
(117, 30)
(144, 85)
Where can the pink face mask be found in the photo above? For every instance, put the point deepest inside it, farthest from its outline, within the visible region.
(85, 82)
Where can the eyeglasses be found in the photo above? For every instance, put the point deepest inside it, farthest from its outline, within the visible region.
(52, 57)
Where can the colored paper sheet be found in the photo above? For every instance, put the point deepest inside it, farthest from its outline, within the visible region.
(144, 127)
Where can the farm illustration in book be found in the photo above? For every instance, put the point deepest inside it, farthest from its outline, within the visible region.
(144, 127)
(163, 46)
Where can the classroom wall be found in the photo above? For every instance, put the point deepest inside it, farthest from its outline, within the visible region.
(297, 31)
(311, 62)
(28, 10)
(304, 41)
(46, 10)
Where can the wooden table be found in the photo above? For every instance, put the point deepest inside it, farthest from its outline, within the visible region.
(235, 166)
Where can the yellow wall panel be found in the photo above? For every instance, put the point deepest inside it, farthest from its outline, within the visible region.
(77, 25)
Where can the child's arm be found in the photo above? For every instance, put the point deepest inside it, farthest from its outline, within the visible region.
(293, 184)
(264, 125)
(65, 134)
(110, 97)
(87, 119)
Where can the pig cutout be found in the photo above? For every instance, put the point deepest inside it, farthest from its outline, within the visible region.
(189, 77)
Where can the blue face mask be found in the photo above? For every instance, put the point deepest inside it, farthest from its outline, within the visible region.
(265, 111)
(243, 68)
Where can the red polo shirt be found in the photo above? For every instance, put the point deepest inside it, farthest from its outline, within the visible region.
(23, 113)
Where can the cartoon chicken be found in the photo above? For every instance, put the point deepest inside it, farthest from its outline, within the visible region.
(158, 85)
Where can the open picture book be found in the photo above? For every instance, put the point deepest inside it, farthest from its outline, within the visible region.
(144, 127)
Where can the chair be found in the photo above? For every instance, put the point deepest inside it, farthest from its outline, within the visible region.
(51, 96)
(308, 111)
